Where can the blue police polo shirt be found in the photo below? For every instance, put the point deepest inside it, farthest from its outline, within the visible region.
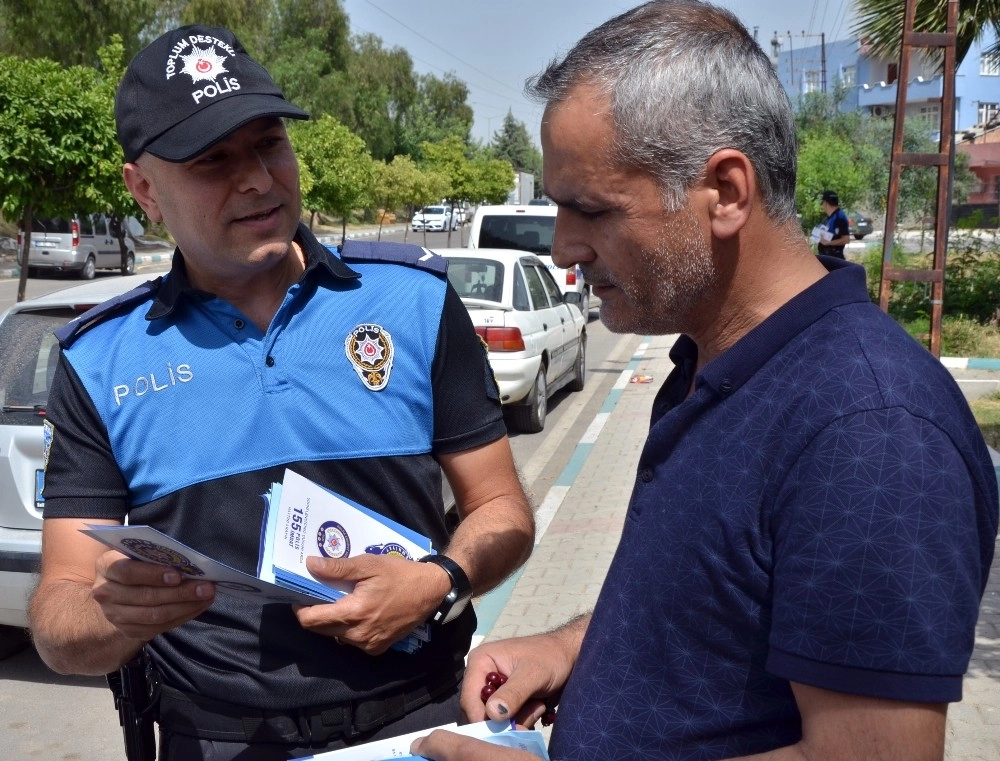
(170, 408)
(822, 509)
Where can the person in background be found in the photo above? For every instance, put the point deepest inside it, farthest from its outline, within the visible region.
(814, 512)
(179, 404)
(838, 229)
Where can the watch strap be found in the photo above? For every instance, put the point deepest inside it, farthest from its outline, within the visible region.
(461, 589)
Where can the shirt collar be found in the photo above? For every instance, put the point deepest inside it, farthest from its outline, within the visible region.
(845, 283)
(176, 285)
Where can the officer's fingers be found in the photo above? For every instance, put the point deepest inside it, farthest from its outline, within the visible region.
(191, 592)
(335, 569)
(145, 622)
(121, 569)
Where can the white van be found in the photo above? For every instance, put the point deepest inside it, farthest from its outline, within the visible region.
(527, 228)
(81, 244)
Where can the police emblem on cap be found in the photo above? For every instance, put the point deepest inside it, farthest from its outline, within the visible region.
(369, 348)
(333, 541)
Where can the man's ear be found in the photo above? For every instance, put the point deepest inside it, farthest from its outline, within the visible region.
(139, 185)
(731, 176)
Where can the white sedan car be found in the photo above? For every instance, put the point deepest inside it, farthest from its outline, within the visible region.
(28, 355)
(536, 335)
(435, 219)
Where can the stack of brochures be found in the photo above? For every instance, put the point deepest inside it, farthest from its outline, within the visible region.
(500, 733)
(301, 519)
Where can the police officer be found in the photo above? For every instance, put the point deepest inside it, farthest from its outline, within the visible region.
(837, 227)
(179, 405)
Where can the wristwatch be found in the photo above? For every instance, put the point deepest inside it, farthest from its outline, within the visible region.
(461, 590)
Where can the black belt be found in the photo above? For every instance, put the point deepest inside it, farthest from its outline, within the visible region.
(184, 714)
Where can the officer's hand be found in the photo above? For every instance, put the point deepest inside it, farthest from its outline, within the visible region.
(442, 745)
(391, 597)
(145, 599)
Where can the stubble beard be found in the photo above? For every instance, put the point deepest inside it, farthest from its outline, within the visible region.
(663, 293)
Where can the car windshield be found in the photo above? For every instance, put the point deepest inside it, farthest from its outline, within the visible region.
(525, 233)
(28, 356)
(433, 210)
(476, 278)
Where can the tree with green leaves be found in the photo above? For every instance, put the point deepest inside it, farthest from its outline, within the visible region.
(337, 172)
(850, 152)
(880, 23)
(72, 32)
(513, 144)
(117, 201)
(397, 184)
(58, 147)
(438, 112)
(488, 181)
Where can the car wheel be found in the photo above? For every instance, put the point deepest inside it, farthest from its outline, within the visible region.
(580, 366)
(130, 264)
(585, 304)
(530, 417)
(89, 268)
(858, 237)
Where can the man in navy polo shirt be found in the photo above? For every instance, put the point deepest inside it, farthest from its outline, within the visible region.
(814, 513)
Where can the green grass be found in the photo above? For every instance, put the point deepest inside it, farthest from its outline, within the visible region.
(986, 410)
(960, 337)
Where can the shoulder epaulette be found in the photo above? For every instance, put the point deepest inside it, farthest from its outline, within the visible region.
(76, 327)
(396, 253)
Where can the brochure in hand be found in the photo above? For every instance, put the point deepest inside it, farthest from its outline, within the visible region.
(301, 518)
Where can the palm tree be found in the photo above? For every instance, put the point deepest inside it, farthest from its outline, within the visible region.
(880, 23)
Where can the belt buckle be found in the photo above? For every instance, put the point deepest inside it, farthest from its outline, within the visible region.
(326, 724)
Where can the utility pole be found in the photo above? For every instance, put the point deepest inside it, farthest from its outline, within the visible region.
(791, 65)
(822, 57)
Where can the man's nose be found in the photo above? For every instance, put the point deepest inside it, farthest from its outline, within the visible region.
(569, 244)
(253, 174)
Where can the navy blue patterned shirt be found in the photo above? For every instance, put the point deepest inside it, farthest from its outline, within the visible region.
(822, 509)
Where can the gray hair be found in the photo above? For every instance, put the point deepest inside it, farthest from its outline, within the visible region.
(685, 80)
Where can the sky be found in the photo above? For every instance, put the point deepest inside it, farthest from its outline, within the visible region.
(494, 45)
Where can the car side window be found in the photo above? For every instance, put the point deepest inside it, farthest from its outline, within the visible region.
(539, 299)
(555, 295)
(521, 303)
(86, 224)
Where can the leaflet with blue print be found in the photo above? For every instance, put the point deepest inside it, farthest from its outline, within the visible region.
(500, 733)
(301, 518)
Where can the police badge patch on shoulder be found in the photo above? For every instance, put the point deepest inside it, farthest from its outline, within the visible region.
(369, 348)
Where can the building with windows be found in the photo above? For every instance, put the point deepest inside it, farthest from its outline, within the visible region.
(870, 84)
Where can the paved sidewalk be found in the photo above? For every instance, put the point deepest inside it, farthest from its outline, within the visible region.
(564, 575)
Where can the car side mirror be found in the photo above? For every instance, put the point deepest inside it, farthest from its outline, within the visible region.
(573, 297)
